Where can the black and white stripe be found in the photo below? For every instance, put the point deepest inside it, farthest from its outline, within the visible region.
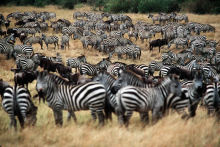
(17, 102)
(143, 100)
(72, 98)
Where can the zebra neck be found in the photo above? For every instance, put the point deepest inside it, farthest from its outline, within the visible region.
(164, 87)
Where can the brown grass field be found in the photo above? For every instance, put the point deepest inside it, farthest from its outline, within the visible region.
(170, 131)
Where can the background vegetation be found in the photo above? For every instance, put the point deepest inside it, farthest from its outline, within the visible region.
(201, 131)
(132, 6)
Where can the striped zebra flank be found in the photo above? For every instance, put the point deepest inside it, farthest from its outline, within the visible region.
(89, 96)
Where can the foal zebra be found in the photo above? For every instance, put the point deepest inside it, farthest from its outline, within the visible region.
(72, 98)
(50, 40)
(76, 62)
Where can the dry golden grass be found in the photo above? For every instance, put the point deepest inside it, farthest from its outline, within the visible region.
(170, 131)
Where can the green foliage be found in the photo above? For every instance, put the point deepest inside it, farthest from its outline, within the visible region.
(69, 4)
(131, 6)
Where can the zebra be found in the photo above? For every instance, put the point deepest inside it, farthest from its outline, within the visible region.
(103, 65)
(197, 45)
(113, 69)
(191, 94)
(50, 40)
(16, 101)
(179, 41)
(31, 31)
(116, 34)
(72, 98)
(181, 17)
(133, 33)
(65, 41)
(107, 80)
(26, 63)
(68, 30)
(76, 62)
(108, 43)
(24, 49)
(132, 98)
(145, 35)
(147, 69)
(33, 40)
(211, 98)
(154, 18)
(189, 67)
(88, 69)
(182, 32)
(6, 47)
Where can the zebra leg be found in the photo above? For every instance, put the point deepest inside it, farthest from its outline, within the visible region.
(100, 117)
(21, 121)
(144, 117)
(156, 114)
(13, 122)
(93, 113)
(47, 46)
(127, 117)
(58, 116)
(71, 114)
(54, 45)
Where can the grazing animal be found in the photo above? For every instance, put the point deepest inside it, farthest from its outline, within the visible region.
(158, 43)
(50, 40)
(132, 98)
(72, 98)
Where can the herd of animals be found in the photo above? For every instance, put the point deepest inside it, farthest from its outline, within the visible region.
(186, 79)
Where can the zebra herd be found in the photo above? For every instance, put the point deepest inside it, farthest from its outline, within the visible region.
(186, 79)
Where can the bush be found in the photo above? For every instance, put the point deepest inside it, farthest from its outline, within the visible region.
(118, 6)
(69, 4)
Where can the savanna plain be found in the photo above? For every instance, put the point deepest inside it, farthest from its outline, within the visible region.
(202, 130)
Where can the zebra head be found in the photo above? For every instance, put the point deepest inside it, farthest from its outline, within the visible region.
(174, 85)
(126, 77)
(44, 84)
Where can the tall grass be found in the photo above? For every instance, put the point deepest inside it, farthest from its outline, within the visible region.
(170, 131)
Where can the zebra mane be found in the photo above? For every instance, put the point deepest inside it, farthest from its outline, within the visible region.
(128, 75)
(106, 74)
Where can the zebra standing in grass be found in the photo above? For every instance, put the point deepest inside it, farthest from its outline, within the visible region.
(132, 98)
(50, 40)
(33, 40)
(72, 98)
(76, 62)
(179, 41)
(17, 102)
(65, 41)
(24, 49)
(133, 33)
(154, 18)
(145, 35)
